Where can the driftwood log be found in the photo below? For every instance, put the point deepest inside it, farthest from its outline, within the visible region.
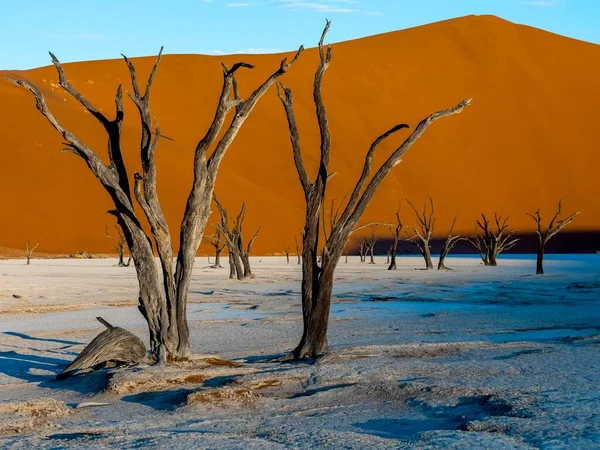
(114, 345)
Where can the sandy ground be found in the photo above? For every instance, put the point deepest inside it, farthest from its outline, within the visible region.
(475, 357)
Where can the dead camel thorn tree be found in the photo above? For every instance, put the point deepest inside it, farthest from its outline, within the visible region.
(448, 245)
(239, 255)
(362, 249)
(120, 247)
(490, 242)
(317, 279)
(423, 232)
(554, 227)
(162, 292)
(396, 232)
(371, 241)
(219, 243)
(29, 251)
(298, 253)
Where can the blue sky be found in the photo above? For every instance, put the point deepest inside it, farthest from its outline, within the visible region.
(98, 29)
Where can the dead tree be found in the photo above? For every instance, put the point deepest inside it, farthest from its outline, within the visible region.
(219, 243)
(287, 255)
(362, 249)
(480, 245)
(317, 279)
(423, 232)
(448, 245)
(554, 227)
(396, 232)
(120, 247)
(387, 254)
(29, 251)
(371, 241)
(491, 242)
(239, 255)
(298, 253)
(162, 292)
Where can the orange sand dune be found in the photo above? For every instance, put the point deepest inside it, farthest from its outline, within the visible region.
(531, 136)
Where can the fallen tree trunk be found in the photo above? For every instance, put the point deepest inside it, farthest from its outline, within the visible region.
(114, 345)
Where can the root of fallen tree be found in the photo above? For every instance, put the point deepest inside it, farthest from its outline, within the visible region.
(114, 345)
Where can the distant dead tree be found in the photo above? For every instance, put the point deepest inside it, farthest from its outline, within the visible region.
(362, 249)
(448, 245)
(239, 254)
(554, 227)
(162, 296)
(317, 279)
(218, 242)
(29, 251)
(371, 241)
(120, 247)
(490, 242)
(396, 232)
(423, 231)
(387, 253)
(298, 253)
(287, 255)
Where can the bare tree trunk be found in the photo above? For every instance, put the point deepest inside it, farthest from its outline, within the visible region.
(540, 258)
(232, 268)
(422, 236)
(317, 279)
(554, 227)
(448, 245)
(396, 232)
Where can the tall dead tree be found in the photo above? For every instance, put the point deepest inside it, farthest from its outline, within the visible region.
(239, 255)
(317, 279)
(371, 241)
(298, 253)
(554, 227)
(29, 251)
(423, 232)
(480, 245)
(218, 242)
(162, 293)
(120, 247)
(362, 249)
(491, 242)
(396, 232)
(448, 245)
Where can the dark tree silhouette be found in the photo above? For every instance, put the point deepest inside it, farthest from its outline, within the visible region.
(162, 293)
(554, 227)
(423, 232)
(317, 278)
(371, 241)
(491, 242)
(448, 245)
(396, 232)
(120, 247)
(239, 254)
(218, 242)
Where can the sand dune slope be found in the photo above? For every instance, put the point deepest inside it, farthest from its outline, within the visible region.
(530, 137)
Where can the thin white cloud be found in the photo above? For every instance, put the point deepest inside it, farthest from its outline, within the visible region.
(542, 3)
(237, 5)
(325, 6)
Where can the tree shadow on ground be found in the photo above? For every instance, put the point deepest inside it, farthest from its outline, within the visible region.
(21, 365)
